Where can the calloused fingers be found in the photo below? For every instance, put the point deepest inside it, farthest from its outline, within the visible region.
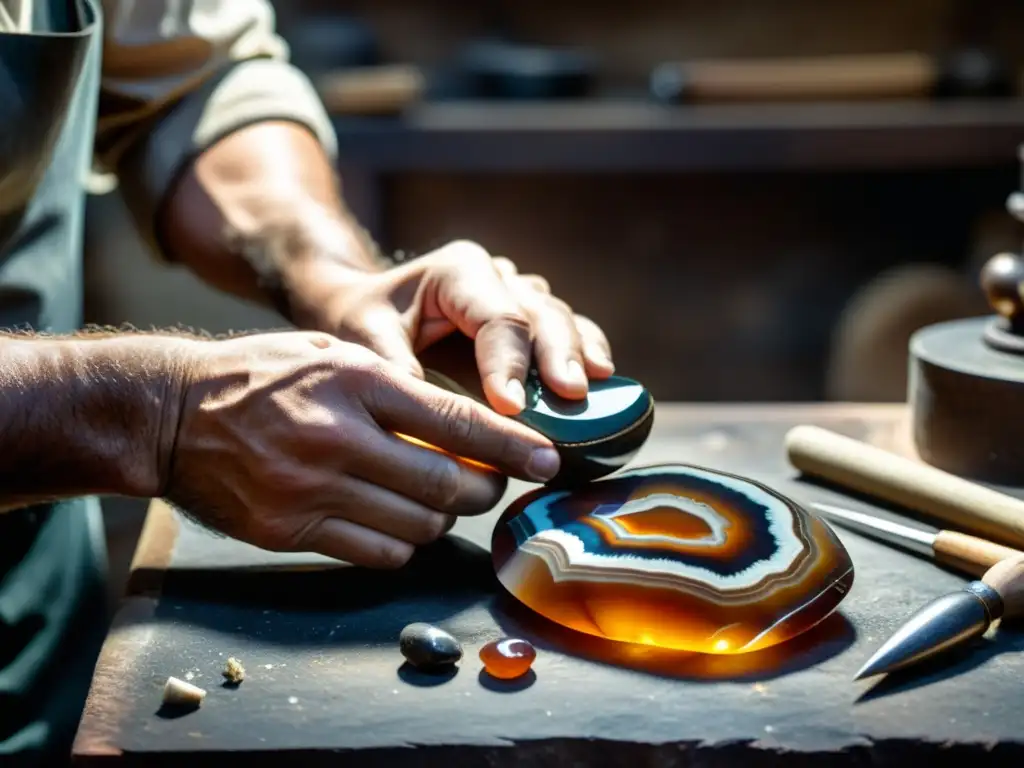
(356, 544)
(385, 511)
(474, 297)
(558, 348)
(597, 352)
(560, 332)
(506, 268)
(461, 426)
(426, 476)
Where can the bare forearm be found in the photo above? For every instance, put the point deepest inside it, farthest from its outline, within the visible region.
(83, 416)
(261, 210)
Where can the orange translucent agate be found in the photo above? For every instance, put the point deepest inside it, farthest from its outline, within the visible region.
(462, 459)
(673, 556)
(508, 658)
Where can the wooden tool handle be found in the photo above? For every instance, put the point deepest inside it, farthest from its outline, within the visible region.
(830, 77)
(371, 90)
(960, 549)
(1007, 578)
(865, 469)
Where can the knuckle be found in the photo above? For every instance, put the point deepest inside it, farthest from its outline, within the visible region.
(505, 265)
(515, 319)
(300, 539)
(435, 526)
(592, 333)
(443, 482)
(538, 283)
(468, 248)
(559, 305)
(497, 484)
(460, 419)
(462, 251)
(393, 555)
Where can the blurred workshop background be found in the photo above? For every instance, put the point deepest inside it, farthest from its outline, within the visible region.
(758, 201)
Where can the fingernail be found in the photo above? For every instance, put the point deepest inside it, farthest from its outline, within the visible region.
(516, 393)
(543, 464)
(575, 374)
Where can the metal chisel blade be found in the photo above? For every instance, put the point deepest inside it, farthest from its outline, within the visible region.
(912, 539)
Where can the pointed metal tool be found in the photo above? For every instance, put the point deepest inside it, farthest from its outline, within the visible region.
(968, 554)
(954, 619)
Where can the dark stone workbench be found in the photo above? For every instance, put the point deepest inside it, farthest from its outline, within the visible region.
(325, 683)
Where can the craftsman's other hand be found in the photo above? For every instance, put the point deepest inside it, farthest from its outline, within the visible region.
(512, 319)
(288, 441)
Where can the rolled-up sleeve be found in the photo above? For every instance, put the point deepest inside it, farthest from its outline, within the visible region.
(178, 76)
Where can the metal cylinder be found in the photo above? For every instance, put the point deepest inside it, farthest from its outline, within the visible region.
(967, 403)
(966, 379)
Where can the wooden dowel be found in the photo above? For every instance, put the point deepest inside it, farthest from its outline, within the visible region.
(872, 76)
(877, 473)
(955, 549)
(371, 90)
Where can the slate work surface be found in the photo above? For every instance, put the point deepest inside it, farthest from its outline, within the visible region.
(326, 685)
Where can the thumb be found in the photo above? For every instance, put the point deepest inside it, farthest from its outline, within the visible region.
(381, 330)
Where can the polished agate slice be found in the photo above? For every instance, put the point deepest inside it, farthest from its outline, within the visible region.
(674, 556)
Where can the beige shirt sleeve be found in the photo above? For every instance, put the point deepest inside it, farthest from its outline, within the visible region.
(179, 75)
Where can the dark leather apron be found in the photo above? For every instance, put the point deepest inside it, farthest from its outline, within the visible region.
(52, 615)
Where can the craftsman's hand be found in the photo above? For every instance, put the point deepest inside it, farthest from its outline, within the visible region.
(287, 441)
(460, 288)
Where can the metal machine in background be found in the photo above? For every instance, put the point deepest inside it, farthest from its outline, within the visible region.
(966, 380)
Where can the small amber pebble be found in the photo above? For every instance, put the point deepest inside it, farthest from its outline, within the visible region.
(507, 658)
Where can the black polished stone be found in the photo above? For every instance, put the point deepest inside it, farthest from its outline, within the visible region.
(594, 436)
(428, 647)
(612, 405)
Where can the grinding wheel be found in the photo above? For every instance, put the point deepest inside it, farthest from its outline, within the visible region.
(966, 384)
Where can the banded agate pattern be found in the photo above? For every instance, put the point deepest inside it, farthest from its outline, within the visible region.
(674, 556)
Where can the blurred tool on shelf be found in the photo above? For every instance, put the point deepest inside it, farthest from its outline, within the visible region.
(503, 69)
(342, 56)
(505, 63)
(382, 90)
(970, 73)
(327, 42)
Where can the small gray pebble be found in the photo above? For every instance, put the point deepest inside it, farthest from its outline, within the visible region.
(426, 646)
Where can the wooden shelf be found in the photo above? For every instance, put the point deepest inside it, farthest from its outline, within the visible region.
(639, 137)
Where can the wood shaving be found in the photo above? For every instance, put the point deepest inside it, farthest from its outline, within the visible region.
(234, 671)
